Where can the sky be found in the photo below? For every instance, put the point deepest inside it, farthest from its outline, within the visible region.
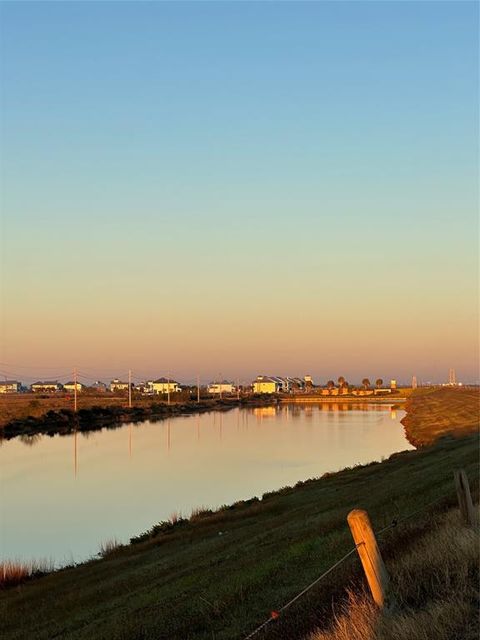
(239, 188)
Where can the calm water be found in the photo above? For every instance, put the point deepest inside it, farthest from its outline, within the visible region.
(62, 496)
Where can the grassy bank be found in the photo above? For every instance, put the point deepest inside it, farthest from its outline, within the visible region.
(220, 574)
(97, 416)
(18, 408)
(435, 583)
(435, 412)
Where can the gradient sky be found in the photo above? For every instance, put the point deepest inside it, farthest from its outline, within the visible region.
(240, 188)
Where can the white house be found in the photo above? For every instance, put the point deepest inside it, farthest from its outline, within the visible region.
(46, 387)
(266, 384)
(221, 387)
(163, 385)
(10, 386)
(118, 385)
(70, 386)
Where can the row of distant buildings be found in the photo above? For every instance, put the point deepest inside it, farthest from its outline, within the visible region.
(261, 385)
(162, 385)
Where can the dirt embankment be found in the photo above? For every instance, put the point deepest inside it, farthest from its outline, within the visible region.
(432, 413)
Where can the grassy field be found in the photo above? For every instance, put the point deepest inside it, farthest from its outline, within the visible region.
(24, 405)
(219, 575)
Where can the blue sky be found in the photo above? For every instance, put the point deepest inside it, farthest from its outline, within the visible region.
(202, 159)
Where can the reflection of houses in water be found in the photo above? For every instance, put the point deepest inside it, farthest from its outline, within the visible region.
(265, 412)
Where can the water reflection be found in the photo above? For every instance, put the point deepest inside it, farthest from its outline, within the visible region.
(74, 492)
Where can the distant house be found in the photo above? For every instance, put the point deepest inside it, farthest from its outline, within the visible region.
(46, 387)
(10, 386)
(70, 386)
(118, 385)
(99, 386)
(363, 392)
(221, 387)
(163, 385)
(266, 384)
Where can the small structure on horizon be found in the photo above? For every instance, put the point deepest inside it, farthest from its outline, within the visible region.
(10, 386)
(70, 386)
(221, 387)
(118, 385)
(163, 385)
(266, 384)
(99, 386)
(46, 387)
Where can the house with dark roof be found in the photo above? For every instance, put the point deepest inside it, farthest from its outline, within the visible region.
(10, 386)
(163, 385)
(221, 387)
(46, 387)
(99, 386)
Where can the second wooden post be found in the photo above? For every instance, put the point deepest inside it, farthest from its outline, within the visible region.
(367, 547)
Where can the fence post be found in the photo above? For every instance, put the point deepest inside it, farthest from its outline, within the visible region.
(372, 562)
(464, 497)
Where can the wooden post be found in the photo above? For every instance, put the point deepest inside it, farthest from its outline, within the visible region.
(464, 498)
(375, 571)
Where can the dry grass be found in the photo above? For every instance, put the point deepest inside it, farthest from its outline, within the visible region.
(15, 572)
(175, 517)
(109, 547)
(432, 413)
(24, 405)
(435, 586)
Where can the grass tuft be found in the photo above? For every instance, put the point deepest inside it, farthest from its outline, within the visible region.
(15, 572)
(109, 547)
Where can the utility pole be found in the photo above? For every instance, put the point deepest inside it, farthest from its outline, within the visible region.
(75, 389)
(129, 388)
(238, 389)
(168, 389)
(198, 389)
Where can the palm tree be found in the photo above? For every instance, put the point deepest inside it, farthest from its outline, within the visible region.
(366, 383)
(341, 381)
(330, 385)
(379, 383)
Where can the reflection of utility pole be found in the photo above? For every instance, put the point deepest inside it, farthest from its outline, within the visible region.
(129, 388)
(130, 440)
(168, 434)
(75, 466)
